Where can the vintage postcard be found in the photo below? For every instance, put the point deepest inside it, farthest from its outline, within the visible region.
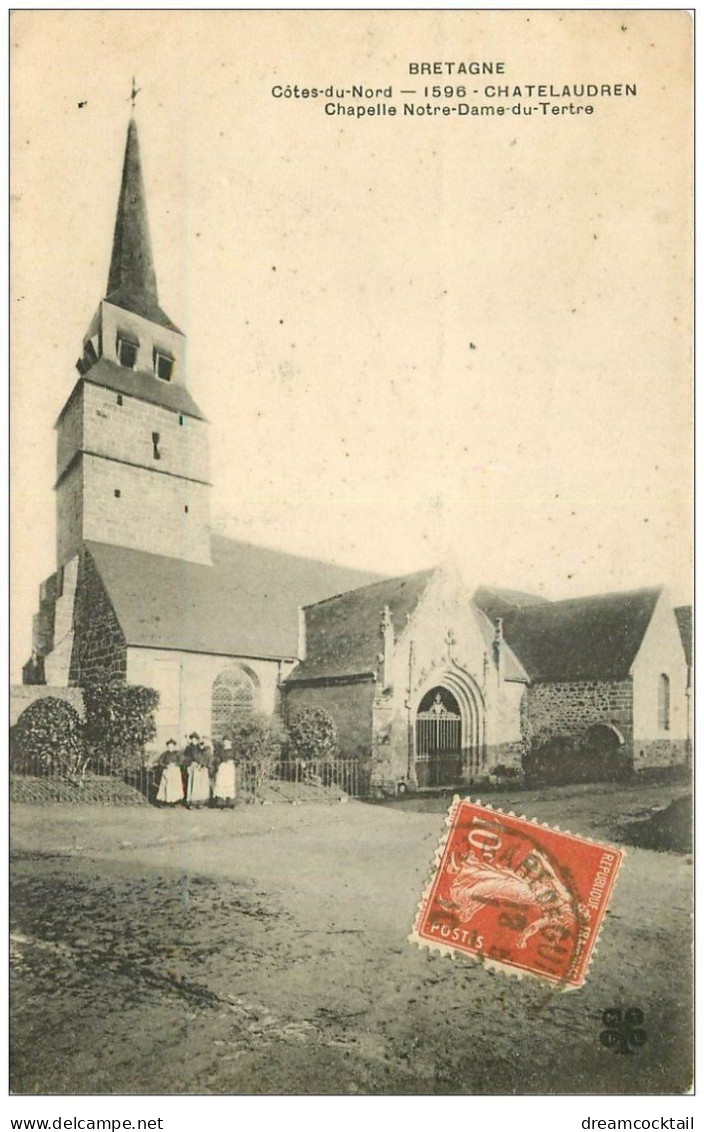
(351, 454)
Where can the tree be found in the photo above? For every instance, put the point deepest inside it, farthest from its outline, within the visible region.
(313, 734)
(48, 738)
(258, 741)
(120, 721)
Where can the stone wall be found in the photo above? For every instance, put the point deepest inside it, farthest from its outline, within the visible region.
(69, 430)
(160, 514)
(661, 654)
(350, 705)
(654, 754)
(22, 695)
(69, 514)
(123, 430)
(162, 504)
(570, 708)
(99, 648)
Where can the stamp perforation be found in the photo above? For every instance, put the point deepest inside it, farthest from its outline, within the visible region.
(586, 933)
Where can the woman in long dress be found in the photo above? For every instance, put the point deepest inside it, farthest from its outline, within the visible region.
(225, 789)
(170, 791)
(198, 789)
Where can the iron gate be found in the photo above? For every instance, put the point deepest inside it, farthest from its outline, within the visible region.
(438, 745)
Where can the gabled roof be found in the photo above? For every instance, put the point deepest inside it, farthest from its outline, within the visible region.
(513, 669)
(142, 385)
(343, 634)
(683, 614)
(245, 604)
(495, 602)
(588, 638)
(132, 278)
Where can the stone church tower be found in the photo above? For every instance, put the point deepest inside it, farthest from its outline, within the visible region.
(142, 592)
(132, 453)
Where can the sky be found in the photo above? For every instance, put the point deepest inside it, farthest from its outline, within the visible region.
(417, 338)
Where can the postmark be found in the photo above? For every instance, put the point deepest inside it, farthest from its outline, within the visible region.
(516, 894)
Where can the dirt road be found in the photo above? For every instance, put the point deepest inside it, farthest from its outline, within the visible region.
(265, 951)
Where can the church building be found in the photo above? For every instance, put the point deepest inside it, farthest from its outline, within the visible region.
(142, 590)
(439, 684)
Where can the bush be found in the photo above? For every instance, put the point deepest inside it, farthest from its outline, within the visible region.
(120, 721)
(258, 741)
(313, 735)
(548, 758)
(48, 738)
(507, 773)
(560, 759)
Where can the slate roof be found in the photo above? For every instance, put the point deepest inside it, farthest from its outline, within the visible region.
(132, 278)
(142, 305)
(587, 638)
(513, 669)
(683, 613)
(500, 602)
(344, 632)
(245, 604)
(142, 385)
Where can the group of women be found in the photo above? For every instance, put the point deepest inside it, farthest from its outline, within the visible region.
(187, 778)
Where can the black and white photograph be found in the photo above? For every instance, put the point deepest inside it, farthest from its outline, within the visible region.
(350, 474)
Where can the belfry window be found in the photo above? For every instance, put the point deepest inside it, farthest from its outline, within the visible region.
(163, 365)
(127, 350)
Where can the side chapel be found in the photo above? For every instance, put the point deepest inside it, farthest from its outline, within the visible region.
(440, 684)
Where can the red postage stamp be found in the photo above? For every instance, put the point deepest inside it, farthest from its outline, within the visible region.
(517, 894)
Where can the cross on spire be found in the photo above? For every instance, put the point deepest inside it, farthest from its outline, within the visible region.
(134, 92)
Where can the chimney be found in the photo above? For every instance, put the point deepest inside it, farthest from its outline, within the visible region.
(301, 633)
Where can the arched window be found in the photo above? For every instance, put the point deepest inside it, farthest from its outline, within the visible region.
(233, 699)
(664, 703)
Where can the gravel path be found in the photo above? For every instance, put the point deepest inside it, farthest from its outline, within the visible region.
(265, 951)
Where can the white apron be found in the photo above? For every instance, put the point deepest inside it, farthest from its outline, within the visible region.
(225, 785)
(171, 785)
(198, 784)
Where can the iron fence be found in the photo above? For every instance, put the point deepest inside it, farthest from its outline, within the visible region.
(328, 780)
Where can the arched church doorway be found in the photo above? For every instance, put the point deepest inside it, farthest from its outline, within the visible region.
(438, 739)
(234, 698)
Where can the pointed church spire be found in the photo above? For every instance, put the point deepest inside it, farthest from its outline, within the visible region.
(132, 273)
(132, 278)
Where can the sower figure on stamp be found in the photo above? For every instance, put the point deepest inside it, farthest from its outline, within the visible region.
(170, 791)
(225, 790)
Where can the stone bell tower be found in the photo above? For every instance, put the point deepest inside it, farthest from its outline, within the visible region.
(132, 451)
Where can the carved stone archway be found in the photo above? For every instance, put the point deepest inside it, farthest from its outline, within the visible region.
(449, 729)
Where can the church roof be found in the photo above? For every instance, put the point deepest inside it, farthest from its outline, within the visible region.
(144, 386)
(343, 634)
(245, 604)
(683, 613)
(495, 602)
(132, 277)
(586, 638)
